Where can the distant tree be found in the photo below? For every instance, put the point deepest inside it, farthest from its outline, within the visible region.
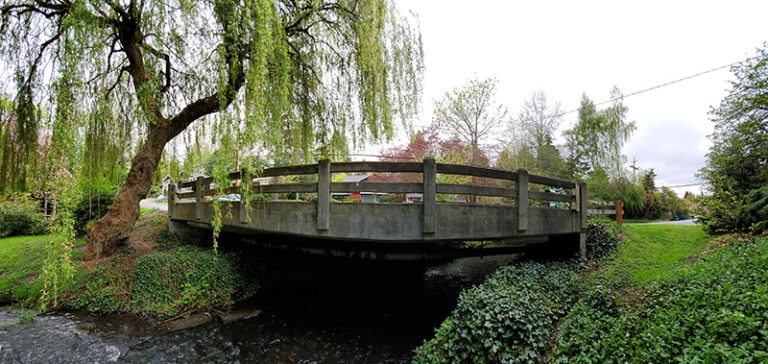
(736, 172)
(598, 136)
(648, 181)
(302, 75)
(530, 138)
(471, 113)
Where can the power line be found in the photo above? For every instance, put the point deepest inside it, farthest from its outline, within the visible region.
(665, 84)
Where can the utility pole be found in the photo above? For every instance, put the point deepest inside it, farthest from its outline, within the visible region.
(634, 169)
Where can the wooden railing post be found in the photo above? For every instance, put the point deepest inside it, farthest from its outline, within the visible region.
(323, 194)
(522, 200)
(171, 199)
(199, 198)
(619, 212)
(429, 196)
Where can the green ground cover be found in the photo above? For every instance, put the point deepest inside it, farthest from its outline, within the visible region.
(651, 252)
(21, 259)
(154, 275)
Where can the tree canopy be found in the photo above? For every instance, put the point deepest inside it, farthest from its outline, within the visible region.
(295, 79)
(471, 112)
(595, 141)
(737, 164)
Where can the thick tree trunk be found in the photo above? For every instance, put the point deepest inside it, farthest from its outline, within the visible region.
(110, 233)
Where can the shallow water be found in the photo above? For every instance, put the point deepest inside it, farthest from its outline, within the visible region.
(312, 310)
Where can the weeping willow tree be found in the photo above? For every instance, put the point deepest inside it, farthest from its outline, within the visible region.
(299, 78)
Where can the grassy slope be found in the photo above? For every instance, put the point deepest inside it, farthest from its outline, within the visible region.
(652, 252)
(21, 259)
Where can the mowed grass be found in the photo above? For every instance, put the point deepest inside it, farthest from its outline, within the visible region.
(21, 260)
(653, 252)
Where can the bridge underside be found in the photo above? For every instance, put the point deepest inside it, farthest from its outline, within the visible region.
(387, 231)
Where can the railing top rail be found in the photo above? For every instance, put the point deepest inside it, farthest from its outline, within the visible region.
(396, 167)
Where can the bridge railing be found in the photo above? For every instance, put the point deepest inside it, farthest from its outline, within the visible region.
(571, 195)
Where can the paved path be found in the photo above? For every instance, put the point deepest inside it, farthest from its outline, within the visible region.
(680, 222)
(153, 205)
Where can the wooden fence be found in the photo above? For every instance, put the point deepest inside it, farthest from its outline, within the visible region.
(613, 208)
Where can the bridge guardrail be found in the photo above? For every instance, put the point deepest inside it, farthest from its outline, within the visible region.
(575, 192)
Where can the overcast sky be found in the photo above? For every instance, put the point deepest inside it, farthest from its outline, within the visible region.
(566, 48)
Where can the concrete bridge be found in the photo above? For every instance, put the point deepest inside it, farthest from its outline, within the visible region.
(510, 211)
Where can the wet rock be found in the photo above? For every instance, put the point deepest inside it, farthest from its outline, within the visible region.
(238, 314)
(187, 322)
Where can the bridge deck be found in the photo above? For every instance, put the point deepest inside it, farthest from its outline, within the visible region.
(534, 217)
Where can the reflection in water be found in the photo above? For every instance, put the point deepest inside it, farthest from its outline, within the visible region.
(313, 310)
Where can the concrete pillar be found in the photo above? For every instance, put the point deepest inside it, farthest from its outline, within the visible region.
(429, 196)
(171, 199)
(199, 198)
(582, 201)
(522, 200)
(583, 245)
(323, 194)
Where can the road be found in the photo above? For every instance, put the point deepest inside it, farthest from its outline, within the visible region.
(153, 205)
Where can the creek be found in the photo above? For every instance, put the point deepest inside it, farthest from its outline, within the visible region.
(311, 309)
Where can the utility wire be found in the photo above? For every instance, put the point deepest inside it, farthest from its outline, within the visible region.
(665, 84)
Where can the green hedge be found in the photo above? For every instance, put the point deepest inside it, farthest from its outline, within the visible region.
(19, 215)
(509, 318)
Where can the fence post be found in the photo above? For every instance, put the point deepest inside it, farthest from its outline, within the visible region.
(522, 200)
(171, 199)
(199, 198)
(429, 196)
(323, 193)
(619, 212)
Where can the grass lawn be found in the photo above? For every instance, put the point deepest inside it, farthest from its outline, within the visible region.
(653, 252)
(21, 259)
(146, 210)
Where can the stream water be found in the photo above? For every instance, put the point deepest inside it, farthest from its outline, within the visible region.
(312, 309)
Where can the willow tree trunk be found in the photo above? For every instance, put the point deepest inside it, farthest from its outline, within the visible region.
(110, 233)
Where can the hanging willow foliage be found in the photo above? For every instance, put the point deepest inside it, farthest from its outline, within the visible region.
(286, 80)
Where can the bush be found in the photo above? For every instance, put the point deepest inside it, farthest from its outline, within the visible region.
(601, 241)
(91, 207)
(19, 215)
(509, 318)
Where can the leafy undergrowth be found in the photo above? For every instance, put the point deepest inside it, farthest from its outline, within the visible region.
(509, 318)
(156, 275)
(712, 311)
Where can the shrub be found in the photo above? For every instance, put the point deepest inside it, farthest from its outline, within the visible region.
(601, 241)
(19, 215)
(509, 318)
(91, 207)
